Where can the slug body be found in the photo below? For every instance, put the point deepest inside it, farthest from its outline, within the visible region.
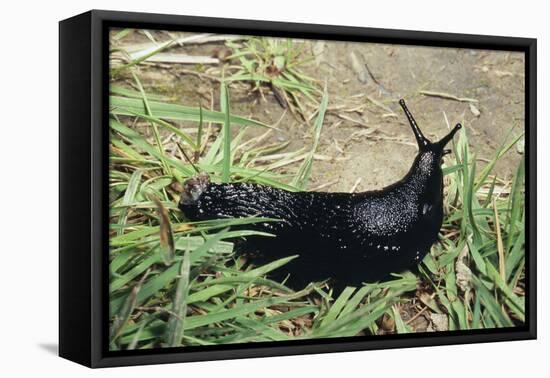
(347, 237)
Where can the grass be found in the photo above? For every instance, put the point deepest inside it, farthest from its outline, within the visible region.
(276, 63)
(179, 283)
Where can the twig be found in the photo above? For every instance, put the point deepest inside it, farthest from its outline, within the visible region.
(416, 315)
(187, 158)
(447, 96)
(281, 99)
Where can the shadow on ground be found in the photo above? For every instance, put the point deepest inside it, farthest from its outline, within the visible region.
(52, 348)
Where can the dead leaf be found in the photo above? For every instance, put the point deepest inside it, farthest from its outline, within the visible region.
(387, 324)
(167, 247)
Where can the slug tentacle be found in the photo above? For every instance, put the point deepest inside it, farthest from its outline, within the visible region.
(422, 141)
(447, 138)
(350, 238)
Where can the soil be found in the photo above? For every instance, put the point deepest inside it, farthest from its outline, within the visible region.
(365, 132)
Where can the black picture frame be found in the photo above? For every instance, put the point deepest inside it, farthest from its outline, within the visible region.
(83, 140)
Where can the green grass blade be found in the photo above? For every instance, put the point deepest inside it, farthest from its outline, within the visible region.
(132, 107)
(129, 196)
(337, 307)
(224, 101)
(176, 322)
(304, 171)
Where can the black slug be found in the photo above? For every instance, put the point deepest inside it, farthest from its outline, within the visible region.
(346, 237)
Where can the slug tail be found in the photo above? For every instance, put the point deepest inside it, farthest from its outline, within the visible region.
(422, 141)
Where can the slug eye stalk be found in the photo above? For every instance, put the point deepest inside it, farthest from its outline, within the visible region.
(424, 143)
(447, 138)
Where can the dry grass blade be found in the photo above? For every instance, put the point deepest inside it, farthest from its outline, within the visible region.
(167, 249)
(182, 59)
(142, 49)
(381, 106)
(355, 185)
(500, 245)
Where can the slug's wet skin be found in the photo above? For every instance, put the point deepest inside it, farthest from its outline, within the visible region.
(349, 238)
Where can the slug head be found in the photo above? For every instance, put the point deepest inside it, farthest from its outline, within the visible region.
(436, 149)
(193, 188)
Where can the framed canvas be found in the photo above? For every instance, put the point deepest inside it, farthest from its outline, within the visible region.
(235, 188)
